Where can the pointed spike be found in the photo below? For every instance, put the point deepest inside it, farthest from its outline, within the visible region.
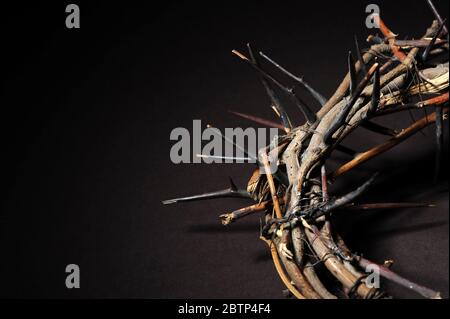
(390, 275)
(374, 206)
(352, 72)
(304, 108)
(340, 119)
(276, 103)
(251, 54)
(375, 93)
(339, 202)
(343, 200)
(226, 139)
(432, 42)
(225, 158)
(437, 15)
(224, 193)
(309, 115)
(319, 97)
(363, 66)
(232, 184)
(263, 73)
(258, 120)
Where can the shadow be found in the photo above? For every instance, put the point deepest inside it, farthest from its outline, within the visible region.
(262, 257)
(398, 231)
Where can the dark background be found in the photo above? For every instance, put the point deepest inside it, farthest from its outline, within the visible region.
(85, 124)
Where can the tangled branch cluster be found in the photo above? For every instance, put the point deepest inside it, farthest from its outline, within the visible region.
(295, 200)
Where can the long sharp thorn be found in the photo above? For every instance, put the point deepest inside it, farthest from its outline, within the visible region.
(224, 193)
(343, 200)
(380, 129)
(224, 158)
(307, 112)
(276, 103)
(319, 97)
(339, 202)
(340, 119)
(352, 72)
(432, 42)
(439, 142)
(226, 139)
(437, 15)
(390, 275)
(309, 115)
(232, 184)
(279, 175)
(360, 56)
(258, 120)
(375, 93)
(374, 206)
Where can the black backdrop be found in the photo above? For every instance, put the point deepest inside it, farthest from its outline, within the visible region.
(85, 124)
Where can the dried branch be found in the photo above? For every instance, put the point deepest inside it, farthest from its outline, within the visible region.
(390, 275)
(377, 150)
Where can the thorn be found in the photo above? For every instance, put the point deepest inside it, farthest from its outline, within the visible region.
(390, 37)
(243, 57)
(279, 175)
(339, 202)
(276, 103)
(432, 42)
(232, 184)
(307, 112)
(224, 193)
(340, 119)
(376, 206)
(274, 108)
(319, 97)
(352, 72)
(360, 57)
(225, 138)
(437, 15)
(309, 115)
(390, 275)
(375, 93)
(225, 158)
(258, 120)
